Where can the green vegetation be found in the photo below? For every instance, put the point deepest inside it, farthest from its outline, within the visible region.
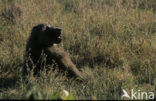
(112, 40)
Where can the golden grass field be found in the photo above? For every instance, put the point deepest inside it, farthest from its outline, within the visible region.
(112, 40)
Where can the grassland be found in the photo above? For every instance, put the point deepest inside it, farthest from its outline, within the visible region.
(112, 40)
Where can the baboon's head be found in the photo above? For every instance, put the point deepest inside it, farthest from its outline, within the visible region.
(45, 35)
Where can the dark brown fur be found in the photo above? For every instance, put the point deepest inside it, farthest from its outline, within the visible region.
(42, 51)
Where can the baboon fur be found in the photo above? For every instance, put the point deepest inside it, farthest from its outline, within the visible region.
(42, 51)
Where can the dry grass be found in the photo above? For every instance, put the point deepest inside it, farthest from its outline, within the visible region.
(112, 40)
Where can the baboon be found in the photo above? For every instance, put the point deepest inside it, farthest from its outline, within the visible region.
(42, 50)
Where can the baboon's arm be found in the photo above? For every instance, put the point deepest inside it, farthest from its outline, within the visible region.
(65, 60)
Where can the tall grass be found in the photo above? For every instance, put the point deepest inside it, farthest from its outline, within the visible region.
(112, 40)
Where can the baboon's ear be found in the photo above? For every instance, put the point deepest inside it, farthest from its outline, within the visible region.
(35, 29)
(59, 29)
(39, 28)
